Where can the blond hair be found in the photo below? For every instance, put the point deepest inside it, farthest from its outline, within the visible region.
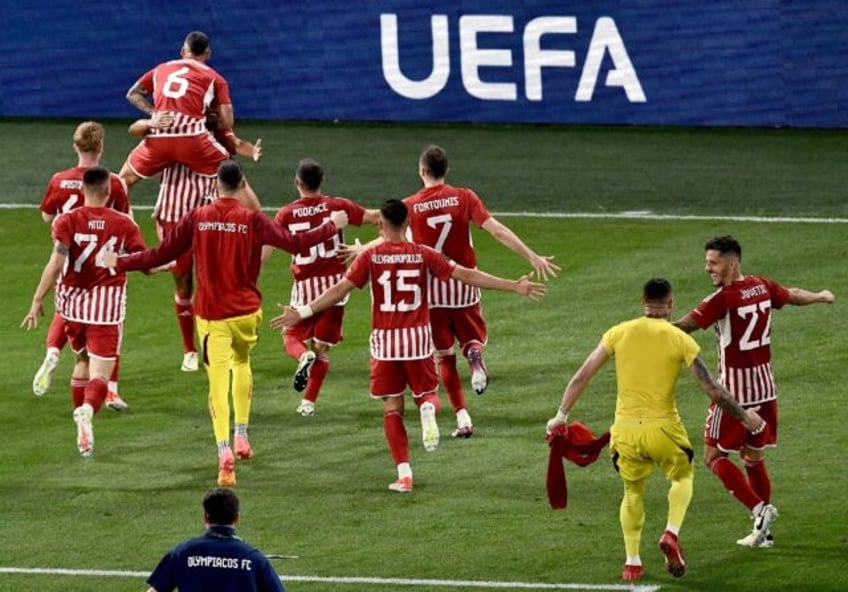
(88, 137)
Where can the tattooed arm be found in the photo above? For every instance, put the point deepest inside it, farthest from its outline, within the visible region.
(686, 324)
(721, 397)
(138, 98)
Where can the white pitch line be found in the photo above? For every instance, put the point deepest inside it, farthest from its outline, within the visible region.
(646, 215)
(635, 215)
(106, 573)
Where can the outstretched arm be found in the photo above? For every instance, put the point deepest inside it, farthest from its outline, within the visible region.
(481, 279)
(721, 397)
(578, 384)
(291, 316)
(248, 149)
(802, 297)
(371, 216)
(543, 266)
(172, 246)
(686, 324)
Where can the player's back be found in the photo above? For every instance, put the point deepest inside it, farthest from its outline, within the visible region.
(88, 290)
(228, 259)
(741, 312)
(309, 212)
(64, 193)
(741, 315)
(441, 217)
(398, 273)
(186, 88)
(649, 354)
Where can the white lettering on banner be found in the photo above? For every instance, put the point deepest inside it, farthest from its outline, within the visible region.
(605, 39)
(533, 47)
(405, 87)
(473, 58)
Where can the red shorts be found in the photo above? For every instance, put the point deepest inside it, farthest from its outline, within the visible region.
(56, 332)
(725, 432)
(465, 325)
(184, 263)
(389, 378)
(201, 153)
(324, 327)
(98, 341)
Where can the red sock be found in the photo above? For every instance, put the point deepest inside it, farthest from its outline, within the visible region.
(78, 390)
(293, 346)
(734, 481)
(56, 332)
(316, 377)
(451, 381)
(116, 369)
(395, 431)
(185, 319)
(95, 393)
(758, 478)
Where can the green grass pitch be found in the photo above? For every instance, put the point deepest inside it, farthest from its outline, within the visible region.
(317, 486)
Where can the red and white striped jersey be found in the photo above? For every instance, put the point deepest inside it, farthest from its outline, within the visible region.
(64, 193)
(87, 290)
(186, 88)
(741, 314)
(180, 191)
(318, 268)
(441, 217)
(400, 313)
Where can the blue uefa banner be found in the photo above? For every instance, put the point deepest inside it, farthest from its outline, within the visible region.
(759, 62)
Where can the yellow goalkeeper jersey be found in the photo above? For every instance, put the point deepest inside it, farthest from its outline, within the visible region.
(648, 355)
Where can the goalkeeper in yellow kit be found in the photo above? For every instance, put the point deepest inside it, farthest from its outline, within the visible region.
(649, 352)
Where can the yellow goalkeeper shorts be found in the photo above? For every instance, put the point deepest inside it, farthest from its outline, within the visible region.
(228, 339)
(637, 448)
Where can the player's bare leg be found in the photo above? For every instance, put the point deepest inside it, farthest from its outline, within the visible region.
(128, 176)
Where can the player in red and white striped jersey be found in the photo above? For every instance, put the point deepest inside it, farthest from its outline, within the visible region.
(64, 193)
(440, 216)
(315, 270)
(186, 88)
(740, 310)
(180, 191)
(398, 273)
(90, 297)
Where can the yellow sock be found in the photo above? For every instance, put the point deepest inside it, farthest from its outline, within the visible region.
(679, 497)
(242, 390)
(632, 515)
